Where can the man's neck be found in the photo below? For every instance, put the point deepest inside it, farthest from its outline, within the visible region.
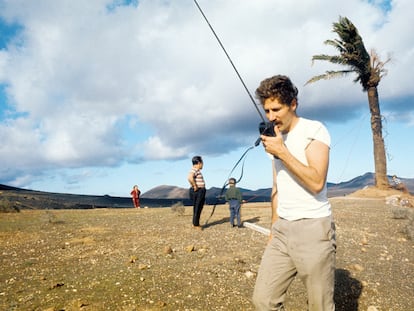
(293, 123)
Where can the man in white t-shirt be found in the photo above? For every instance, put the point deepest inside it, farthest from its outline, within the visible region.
(302, 241)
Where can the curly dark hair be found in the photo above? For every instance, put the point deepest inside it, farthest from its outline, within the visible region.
(279, 87)
(196, 159)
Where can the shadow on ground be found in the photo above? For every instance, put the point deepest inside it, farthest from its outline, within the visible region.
(347, 291)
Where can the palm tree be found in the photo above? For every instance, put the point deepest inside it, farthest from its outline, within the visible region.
(369, 70)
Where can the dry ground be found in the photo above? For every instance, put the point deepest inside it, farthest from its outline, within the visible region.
(151, 259)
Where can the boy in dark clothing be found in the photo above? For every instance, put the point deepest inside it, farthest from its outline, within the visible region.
(197, 190)
(234, 197)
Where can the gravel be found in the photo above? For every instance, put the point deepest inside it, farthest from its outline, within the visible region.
(152, 259)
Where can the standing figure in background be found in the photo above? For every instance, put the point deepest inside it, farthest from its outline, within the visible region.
(234, 197)
(399, 185)
(302, 240)
(197, 190)
(135, 193)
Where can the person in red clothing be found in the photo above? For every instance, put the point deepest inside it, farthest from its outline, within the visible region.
(135, 196)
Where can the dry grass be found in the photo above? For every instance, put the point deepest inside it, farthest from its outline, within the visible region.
(151, 259)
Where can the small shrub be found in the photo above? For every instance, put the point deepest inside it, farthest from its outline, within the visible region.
(410, 224)
(408, 214)
(52, 218)
(178, 208)
(6, 206)
(399, 212)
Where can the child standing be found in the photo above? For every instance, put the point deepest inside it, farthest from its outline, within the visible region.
(234, 197)
(135, 193)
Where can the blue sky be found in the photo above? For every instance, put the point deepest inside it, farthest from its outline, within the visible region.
(98, 96)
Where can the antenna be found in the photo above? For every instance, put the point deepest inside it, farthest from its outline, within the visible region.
(231, 62)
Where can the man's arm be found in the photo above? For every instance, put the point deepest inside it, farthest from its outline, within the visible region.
(311, 176)
(226, 195)
(239, 195)
(273, 195)
(191, 180)
(273, 199)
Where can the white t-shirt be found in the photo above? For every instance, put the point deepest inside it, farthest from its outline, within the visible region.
(294, 201)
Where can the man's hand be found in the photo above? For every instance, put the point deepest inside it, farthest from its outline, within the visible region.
(274, 144)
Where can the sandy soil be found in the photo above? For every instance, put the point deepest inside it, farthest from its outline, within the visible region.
(152, 259)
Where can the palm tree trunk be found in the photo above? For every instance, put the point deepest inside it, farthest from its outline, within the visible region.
(380, 161)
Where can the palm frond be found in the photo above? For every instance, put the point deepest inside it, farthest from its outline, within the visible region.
(335, 59)
(353, 54)
(377, 65)
(329, 75)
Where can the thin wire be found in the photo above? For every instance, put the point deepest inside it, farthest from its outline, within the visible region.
(353, 144)
(220, 196)
(241, 158)
(384, 136)
(231, 62)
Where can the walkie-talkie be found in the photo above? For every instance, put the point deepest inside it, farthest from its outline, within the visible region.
(267, 128)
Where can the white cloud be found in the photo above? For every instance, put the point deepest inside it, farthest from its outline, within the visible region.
(79, 70)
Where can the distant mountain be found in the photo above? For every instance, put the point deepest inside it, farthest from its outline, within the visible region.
(347, 187)
(360, 182)
(5, 187)
(160, 196)
(32, 199)
(166, 192)
(173, 192)
(263, 195)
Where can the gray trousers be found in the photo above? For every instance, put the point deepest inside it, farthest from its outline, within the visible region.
(305, 248)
